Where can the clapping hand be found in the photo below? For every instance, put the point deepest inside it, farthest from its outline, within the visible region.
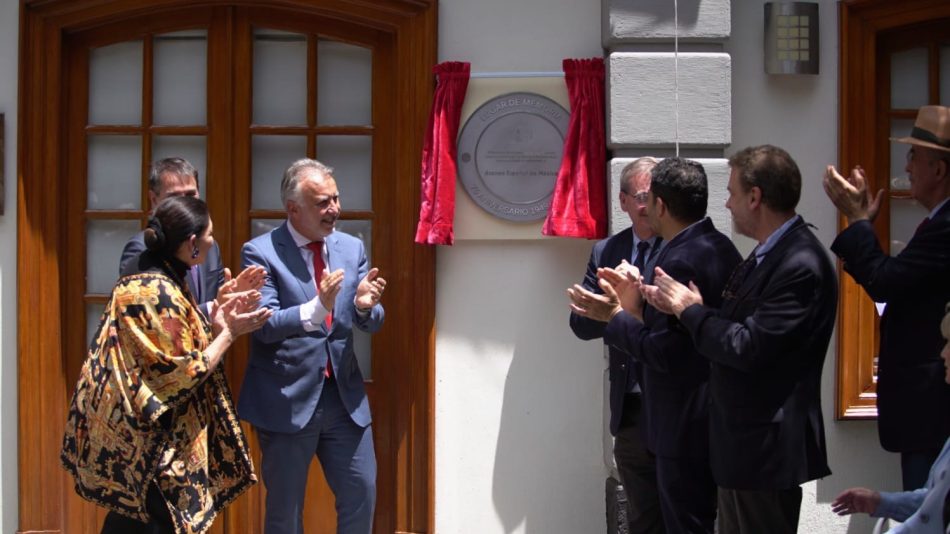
(851, 195)
(251, 278)
(670, 296)
(240, 313)
(370, 290)
(597, 307)
(330, 285)
(625, 280)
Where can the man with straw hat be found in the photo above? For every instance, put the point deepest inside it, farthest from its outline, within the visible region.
(912, 396)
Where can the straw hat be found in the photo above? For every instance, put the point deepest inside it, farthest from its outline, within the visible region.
(931, 129)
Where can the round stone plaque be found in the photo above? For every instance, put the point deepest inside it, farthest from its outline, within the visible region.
(509, 153)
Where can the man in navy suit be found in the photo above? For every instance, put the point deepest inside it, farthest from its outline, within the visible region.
(912, 397)
(172, 177)
(674, 376)
(303, 390)
(766, 345)
(635, 463)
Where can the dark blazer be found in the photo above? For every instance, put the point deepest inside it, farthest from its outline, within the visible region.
(284, 376)
(767, 345)
(913, 400)
(674, 376)
(210, 273)
(608, 253)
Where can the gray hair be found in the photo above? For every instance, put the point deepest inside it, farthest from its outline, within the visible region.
(291, 181)
(635, 168)
(178, 166)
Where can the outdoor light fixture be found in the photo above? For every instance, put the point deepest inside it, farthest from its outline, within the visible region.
(791, 38)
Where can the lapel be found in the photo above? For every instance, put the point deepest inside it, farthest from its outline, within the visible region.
(289, 255)
(773, 256)
(334, 251)
(621, 249)
(194, 285)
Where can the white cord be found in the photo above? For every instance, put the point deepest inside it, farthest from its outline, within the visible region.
(676, 77)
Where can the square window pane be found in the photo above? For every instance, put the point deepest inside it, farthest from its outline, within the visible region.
(344, 84)
(909, 79)
(351, 157)
(898, 176)
(105, 240)
(782, 44)
(114, 172)
(280, 78)
(270, 157)
(180, 78)
(190, 147)
(115, 84)
(93, 319)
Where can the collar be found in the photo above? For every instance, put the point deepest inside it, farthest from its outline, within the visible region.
(686, 229)
(299, 238)
(769, 243)
(938, 207)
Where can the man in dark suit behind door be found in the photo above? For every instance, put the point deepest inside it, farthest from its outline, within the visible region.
(912, 397)
(171, 177)
(766, 346)
(635, 463)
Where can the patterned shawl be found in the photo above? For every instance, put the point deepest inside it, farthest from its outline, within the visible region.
(147, 409)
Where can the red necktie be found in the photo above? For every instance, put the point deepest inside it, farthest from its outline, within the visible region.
(318, 266)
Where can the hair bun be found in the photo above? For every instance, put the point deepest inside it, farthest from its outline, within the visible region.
(154, 235)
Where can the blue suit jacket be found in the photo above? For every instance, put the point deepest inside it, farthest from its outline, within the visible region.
(284, 374)
(674, 375)
(608, 253)
(912, 397)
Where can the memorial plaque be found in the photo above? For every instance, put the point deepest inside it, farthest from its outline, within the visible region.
(509, 153)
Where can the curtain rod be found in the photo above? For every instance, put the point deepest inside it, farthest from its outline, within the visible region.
(525, 74)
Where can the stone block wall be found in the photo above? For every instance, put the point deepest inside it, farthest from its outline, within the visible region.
(648, 86)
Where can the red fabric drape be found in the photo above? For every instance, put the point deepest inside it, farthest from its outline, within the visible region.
(579, 206)
(439, 170)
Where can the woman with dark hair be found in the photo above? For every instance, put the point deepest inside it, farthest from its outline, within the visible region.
(152, 434)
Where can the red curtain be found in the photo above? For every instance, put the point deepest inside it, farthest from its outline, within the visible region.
(438, 155)
(579, 206)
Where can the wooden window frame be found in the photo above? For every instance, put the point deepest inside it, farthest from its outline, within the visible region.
(862, 137)
(43, 235)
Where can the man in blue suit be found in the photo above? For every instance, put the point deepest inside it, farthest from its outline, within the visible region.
(636, 244)
(173, 177)
(303, 390)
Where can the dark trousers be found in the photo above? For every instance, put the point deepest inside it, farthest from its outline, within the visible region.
(759, 511)
(160, 522)
(687, 495)
(637, 467)
(915, 468)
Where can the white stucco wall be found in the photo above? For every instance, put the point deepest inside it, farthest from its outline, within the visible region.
(9, 31)
(519, 400)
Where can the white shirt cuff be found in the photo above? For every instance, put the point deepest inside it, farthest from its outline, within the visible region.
(313, 314)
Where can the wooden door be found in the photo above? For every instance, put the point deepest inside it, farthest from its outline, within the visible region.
(241, 91)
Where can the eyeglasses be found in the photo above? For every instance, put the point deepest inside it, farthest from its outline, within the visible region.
(640, 197)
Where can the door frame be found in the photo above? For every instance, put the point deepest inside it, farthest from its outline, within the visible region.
(42, 233)
(861, 24)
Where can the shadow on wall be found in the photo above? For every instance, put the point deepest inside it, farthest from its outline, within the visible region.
(661, 10)
(548, 469)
